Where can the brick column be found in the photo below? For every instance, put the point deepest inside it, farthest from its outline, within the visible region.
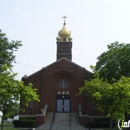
(40, 119)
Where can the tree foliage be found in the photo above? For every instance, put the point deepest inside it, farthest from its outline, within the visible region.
(11, 90)
(111, 99)
(7, 50)
(114, 63)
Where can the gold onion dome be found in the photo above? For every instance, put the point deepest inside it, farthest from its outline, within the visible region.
(64, 32)
(58, 38)
(70, 38)
(64, 35)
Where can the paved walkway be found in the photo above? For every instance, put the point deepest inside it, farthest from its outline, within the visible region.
(62, 122)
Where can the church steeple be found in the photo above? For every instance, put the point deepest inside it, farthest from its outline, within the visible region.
(64, 42)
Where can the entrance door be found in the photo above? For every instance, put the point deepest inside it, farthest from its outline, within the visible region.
(63, 104)
(66, 105)
(59, 105)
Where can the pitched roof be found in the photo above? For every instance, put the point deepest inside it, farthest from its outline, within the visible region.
(63, 58)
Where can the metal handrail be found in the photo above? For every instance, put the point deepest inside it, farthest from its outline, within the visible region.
(50, 127)
(52, 120)
(70, 120)
(53, 117)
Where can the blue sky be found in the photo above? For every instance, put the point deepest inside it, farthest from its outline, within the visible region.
(93, 25)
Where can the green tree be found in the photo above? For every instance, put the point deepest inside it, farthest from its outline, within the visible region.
(7, 50)
(114, 63)
(111, 99)
(15, 110)
(11, 90)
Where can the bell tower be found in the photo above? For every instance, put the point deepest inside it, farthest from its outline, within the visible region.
(64, 42)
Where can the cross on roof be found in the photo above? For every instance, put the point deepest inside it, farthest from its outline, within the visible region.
(64, 17)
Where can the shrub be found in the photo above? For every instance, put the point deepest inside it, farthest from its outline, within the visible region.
(24, 123)
(99, 124)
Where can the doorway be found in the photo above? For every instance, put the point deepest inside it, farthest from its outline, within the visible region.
(63, 103)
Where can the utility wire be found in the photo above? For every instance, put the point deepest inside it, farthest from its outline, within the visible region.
(27, 65)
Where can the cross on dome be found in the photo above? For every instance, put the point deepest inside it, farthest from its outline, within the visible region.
(64, 35)
(64, 17)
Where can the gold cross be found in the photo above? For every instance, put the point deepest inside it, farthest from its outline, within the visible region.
(64, 18)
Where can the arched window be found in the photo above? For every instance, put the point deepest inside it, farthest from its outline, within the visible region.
(63, 84)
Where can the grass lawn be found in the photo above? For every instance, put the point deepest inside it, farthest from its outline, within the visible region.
(9, 126)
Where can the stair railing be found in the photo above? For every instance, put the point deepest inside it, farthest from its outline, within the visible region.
(52, 120)
(70, 120)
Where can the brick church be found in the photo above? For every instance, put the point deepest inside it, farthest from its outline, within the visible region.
(59, 82)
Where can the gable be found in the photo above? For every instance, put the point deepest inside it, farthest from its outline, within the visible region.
(62, 64)
(63, 61)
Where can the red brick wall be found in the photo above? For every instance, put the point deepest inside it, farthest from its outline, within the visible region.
(83, 120)
(35, 79)
(47, 83)
(40, 119)
(64, 49)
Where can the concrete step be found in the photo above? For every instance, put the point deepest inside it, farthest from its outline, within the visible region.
(62, 122)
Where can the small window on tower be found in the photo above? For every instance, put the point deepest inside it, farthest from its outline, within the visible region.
(64, 39)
